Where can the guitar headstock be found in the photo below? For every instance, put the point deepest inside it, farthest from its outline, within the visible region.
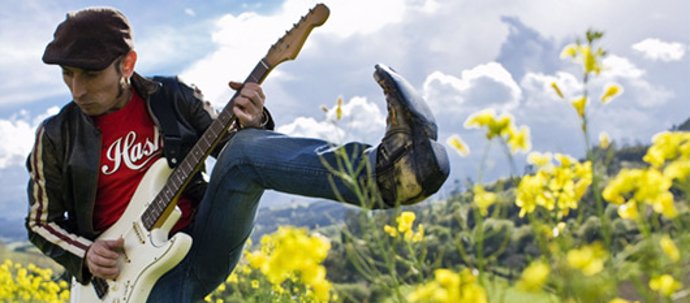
(288, 46)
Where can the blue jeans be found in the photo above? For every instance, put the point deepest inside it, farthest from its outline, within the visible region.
(252, 161)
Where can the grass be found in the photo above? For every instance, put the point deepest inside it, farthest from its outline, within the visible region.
(25, 253)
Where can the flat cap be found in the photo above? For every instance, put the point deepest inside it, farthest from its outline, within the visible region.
(90, 39)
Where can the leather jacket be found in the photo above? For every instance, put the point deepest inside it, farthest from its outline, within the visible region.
(63, 168)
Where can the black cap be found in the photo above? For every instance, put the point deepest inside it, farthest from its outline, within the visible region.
(90, 39)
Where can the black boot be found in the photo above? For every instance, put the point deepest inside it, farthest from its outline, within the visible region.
(410, 164)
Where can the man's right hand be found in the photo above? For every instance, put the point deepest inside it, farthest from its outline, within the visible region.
(101, 258)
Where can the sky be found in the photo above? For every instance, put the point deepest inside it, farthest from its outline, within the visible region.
(462, 56)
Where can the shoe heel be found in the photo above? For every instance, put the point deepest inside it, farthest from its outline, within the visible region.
(438, 170)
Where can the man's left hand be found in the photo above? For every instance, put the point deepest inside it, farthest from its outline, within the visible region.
(249, 104)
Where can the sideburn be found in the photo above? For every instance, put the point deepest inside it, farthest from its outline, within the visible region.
(122, 87)
(124, 83)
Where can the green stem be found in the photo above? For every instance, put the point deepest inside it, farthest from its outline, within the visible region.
(479, 242)
(589, 151)
(482, 164)
(511, 160)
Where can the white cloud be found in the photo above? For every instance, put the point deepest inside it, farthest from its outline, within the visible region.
(538, 87)
(311, 128)
(484, 86)
(639, 91)
(361, 121)
(19, 133)
(656, 49)
(616, 66)
(238, 49)
(638, 88)
(24, 77)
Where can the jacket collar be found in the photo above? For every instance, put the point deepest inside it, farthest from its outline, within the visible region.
(144, 86)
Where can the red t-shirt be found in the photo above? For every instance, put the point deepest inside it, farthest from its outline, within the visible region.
(130, 145)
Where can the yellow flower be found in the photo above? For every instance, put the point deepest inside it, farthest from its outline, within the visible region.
(529, 192)
(255, 284)
(579, 104)
(221, 288)
(643, 186)
(611, 91)
(628, 210)
(446, 278)
(668, 146)
(256, 259)
(483, 199)
(677, 170)
(406, 227)
(519, 140)
(278, 262)
(339, 109)
(419, 235)
(534, 276)
(589, 259)
(604, 140)
(569, 51)
(558, 188)
(665, 285)
(538, 159)
(555, 87)
(30, 283)
(405, 221)
(590, 60)
(487, 118)
(460, 146)
(619, 300)
(669, 248)
(322, 289)
(500, 126)
(232, 278)
(450, 287)
(621, 185)
(480, 119)
(390, 230)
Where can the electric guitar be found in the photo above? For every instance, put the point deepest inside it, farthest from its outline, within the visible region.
(152, 212)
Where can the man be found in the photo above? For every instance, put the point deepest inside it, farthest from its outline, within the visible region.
(89, 158)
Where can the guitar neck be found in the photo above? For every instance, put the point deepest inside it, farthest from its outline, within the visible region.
(286, 48)
(167, 198)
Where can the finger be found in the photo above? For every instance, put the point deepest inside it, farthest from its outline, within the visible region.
(106, 273)
(251, 104)
(255, 90)
(100, 261)
(246, 119)
(115, 245)
(243, 103)
(242, 115)
(235, 85)
(105, 251)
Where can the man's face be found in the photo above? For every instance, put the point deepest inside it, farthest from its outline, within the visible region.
(96, 92)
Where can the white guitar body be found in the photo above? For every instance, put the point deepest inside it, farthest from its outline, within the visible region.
(147, 254)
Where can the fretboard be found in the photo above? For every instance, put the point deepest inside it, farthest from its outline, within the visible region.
(193, 161)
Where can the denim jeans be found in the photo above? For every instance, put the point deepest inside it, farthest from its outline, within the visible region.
(253, 160)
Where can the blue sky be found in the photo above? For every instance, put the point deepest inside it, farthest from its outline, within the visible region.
(463, 56)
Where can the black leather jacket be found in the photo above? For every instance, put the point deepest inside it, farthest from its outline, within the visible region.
(63, 168)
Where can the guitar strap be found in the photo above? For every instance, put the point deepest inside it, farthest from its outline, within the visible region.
(163, 108)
